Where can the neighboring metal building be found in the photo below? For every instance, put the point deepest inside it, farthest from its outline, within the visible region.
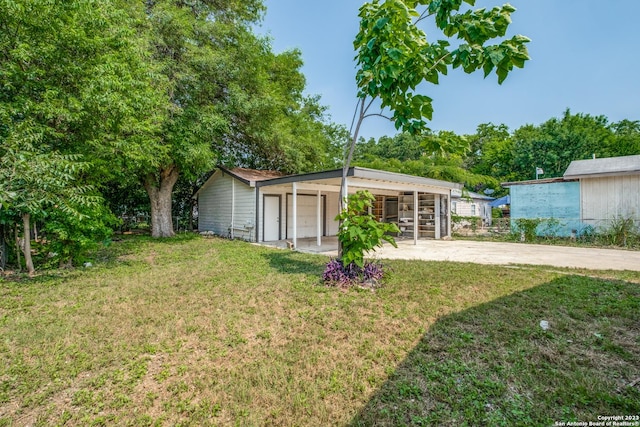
(590, 193)
(552, 198)
(264, 206)
(609, 188)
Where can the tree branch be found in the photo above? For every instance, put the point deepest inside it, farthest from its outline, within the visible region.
(377, 114)
(439, 61)
(423, 16)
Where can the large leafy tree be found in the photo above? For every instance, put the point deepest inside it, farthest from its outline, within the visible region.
(231, 100)
(73, 79)
(627, 138)
(439, 155)
(491, 152)
(192, 45)
(395, 57)
(557, 142)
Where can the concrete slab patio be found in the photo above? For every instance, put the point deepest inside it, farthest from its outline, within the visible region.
(492, 253)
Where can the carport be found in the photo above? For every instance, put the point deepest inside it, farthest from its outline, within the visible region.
(303, 206)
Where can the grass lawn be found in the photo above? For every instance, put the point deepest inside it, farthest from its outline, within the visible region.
(194, 331)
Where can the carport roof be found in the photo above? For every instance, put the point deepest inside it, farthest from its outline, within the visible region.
(360, 177)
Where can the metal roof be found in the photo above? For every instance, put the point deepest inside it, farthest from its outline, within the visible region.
(252, 175)
(470, 195)
(505, 200)
(361, 175)
(608, 166)
(537, 181)
(330, 180)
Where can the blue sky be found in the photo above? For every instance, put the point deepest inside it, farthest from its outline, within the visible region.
(585, 56)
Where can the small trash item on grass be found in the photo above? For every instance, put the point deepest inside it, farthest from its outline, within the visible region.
(544, 325)
(87, 265)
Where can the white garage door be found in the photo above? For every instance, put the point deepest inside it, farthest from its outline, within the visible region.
(307, 216)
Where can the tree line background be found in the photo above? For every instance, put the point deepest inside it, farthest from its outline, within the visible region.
(113, 108)
(495, 154)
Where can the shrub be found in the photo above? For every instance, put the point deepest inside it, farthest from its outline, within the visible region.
(621, 232)
(551, 228)
(337, 274)
(70, 237)
(526, 227)
(461, 222)
(359, 231)
(358, 234)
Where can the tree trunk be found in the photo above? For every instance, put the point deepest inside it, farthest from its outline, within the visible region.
(159, 191)
(18, 246)
(26, 243)
(342, 204)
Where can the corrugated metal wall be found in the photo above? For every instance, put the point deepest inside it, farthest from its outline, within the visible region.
(607, 198)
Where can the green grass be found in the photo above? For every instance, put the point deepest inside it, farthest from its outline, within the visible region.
(194, 331)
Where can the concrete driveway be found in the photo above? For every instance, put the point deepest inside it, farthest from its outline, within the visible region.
(513, 253)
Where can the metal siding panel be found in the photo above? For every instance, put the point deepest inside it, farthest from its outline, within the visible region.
(611, 197)
(631, 196)
(557, 200)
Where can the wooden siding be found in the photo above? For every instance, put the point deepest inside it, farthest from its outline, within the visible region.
(464, 207)
(244, 212)
(607, 198)
(214, 205)
(215, 210)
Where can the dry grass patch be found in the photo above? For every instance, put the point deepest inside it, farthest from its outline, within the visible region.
(197, 331)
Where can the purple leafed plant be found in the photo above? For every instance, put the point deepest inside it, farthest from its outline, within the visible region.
(336, 274)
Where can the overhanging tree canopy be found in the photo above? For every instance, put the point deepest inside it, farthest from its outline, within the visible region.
(395, 57)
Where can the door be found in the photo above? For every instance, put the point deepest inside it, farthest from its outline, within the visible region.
(271, 218)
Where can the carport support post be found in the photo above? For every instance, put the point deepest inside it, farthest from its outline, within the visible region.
(319, 218)
(436, 215)
(294, 233)
(415, 218)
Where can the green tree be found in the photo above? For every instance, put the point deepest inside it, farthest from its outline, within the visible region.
(73, 79)
(491, 152)
(627, 138)
(231, 100)
(34, 184)
(439, 155)
(557, 142)
(395, 57)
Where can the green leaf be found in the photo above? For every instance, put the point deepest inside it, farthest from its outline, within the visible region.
(394, 53)
(380, 23)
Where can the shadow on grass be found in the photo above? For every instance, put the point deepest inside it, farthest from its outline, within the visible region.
(493, 364)
(295, 262)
